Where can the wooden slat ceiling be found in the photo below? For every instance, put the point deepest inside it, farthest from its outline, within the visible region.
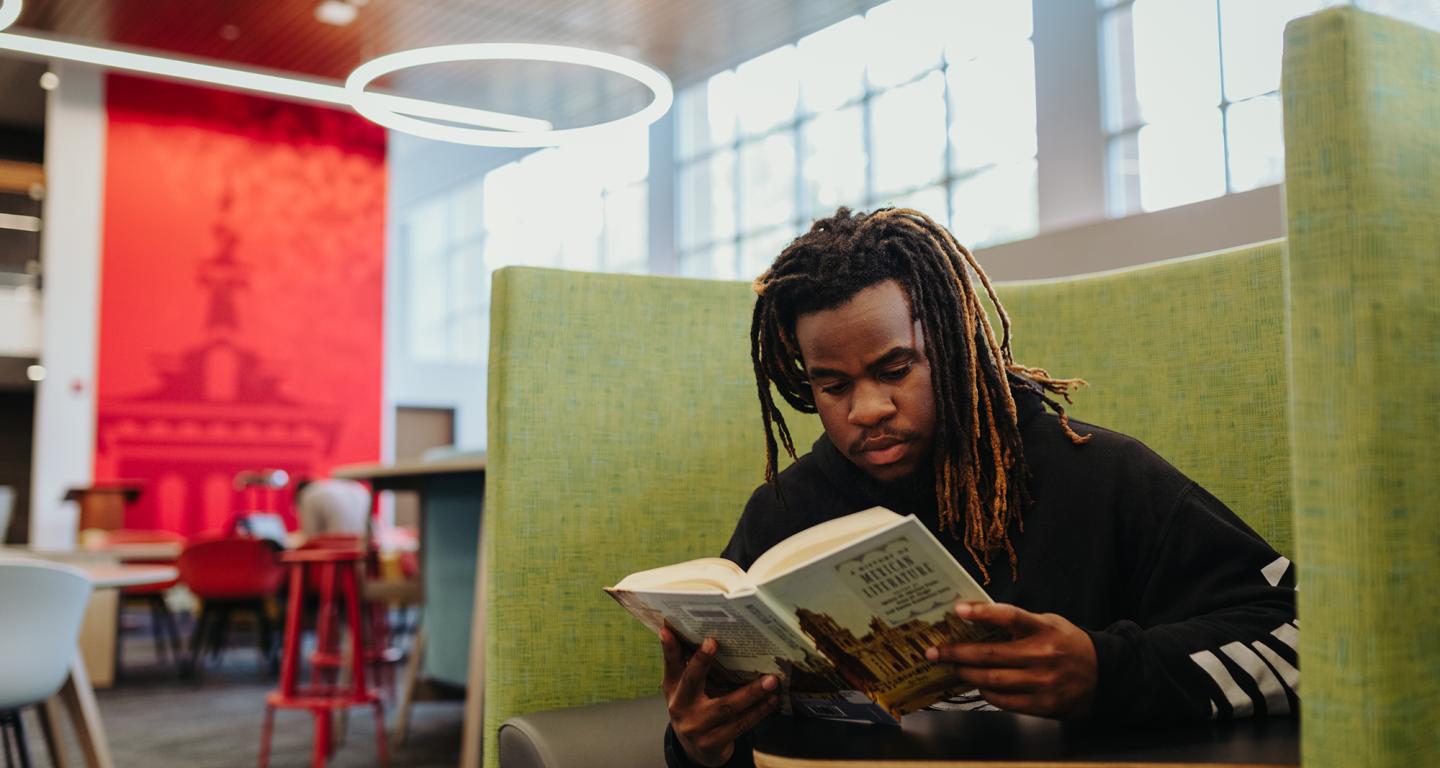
(687, 39)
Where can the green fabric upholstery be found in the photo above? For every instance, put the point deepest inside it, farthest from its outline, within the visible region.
(1187, 355)
(1362, 136)
(624, 434)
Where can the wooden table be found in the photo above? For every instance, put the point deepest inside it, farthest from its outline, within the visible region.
(116, 575)
(449, 644)
(993, 739)
(147, 551)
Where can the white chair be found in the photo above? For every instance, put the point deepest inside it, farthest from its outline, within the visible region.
(41, 606)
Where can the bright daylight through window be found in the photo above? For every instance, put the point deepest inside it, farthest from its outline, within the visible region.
(454, 241)
(929, 104)
(1191, 90)
(937, 115)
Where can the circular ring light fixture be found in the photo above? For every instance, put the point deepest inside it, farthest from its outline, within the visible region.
(374, 107)
(399, 113)
(9, 12)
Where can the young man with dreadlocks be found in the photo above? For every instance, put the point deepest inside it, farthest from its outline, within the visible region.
(1129, 593)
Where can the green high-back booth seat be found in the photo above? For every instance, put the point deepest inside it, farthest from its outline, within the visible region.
(623, 435)
(1362, 135)
(1297, 380)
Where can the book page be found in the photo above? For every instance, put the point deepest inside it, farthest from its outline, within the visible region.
(818, 540)
(706, 574)
(752, 640)
(873, 607)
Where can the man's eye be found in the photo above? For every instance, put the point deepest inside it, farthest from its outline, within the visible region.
(895, 374)
(832, 389)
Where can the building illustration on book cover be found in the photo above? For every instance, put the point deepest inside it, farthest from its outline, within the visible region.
(889, 663)
(846, 630)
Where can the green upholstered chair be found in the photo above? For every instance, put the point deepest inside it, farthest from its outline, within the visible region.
(1296, 381)
(1187, 355)
(623, 435)
(1362, 135)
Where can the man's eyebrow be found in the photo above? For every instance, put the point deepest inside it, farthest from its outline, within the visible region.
(894, 355)
(821, 373)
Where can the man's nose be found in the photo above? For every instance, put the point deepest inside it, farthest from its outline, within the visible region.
(871, 405)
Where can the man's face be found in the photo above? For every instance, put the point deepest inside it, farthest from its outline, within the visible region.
(871, 380)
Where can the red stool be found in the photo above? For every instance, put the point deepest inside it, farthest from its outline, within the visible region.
(335, 569)
(381, 655)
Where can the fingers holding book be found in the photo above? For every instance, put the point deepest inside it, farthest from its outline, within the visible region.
(707, 726)
(1047, 668)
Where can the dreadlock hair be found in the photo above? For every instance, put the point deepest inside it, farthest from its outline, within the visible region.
(980, 475)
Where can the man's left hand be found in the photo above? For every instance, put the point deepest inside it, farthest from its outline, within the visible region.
(1047, 668)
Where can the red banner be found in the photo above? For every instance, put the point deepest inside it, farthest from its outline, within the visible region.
(241, 296)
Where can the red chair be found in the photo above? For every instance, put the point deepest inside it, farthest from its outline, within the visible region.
(162, 622)
(336, 571)
(229, 575)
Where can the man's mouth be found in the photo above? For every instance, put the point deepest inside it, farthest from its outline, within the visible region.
(883, 450)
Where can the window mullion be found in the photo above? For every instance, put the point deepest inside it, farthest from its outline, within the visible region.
(1224, 97)
(947, 176)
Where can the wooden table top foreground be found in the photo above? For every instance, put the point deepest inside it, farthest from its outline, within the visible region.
(993, 739)
(104, 571)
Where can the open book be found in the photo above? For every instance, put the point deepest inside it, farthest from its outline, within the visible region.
(841, 613)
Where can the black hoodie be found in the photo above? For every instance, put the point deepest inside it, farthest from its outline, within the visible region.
(1192, 613)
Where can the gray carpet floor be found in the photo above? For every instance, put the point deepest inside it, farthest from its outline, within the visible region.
(153, 719)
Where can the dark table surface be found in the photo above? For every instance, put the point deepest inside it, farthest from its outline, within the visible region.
(986, 738)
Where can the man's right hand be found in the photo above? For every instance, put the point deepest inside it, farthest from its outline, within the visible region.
(707, 727)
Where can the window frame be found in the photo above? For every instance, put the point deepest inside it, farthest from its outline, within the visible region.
(688, 254)
(1115, 205)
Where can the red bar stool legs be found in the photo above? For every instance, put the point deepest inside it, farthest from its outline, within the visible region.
(380, 655)
(323, 695)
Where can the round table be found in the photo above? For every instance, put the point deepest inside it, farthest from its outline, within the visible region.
(152, 551)
(114, 576)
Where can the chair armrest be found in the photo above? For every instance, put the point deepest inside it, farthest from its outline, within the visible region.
(623, 734)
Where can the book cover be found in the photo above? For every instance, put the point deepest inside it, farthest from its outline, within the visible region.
(842, 613)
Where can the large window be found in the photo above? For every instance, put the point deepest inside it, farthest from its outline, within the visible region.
(1191, 91)
(937, 112)
(583, 206)
(446, 285)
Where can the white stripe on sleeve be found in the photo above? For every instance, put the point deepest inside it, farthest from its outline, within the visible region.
(1276, 570)
(1287, 635)
(1241, 704)
(1276, 702)
(1288, 673)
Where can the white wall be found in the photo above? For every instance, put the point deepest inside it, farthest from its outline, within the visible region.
(70, 309)
(19, 321)
(419, 170)
(1209, 225)
(1069, 141)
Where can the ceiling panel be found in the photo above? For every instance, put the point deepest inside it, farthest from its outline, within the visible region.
(687, 39)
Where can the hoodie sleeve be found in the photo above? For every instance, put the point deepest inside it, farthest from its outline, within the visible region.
(1214, 634)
